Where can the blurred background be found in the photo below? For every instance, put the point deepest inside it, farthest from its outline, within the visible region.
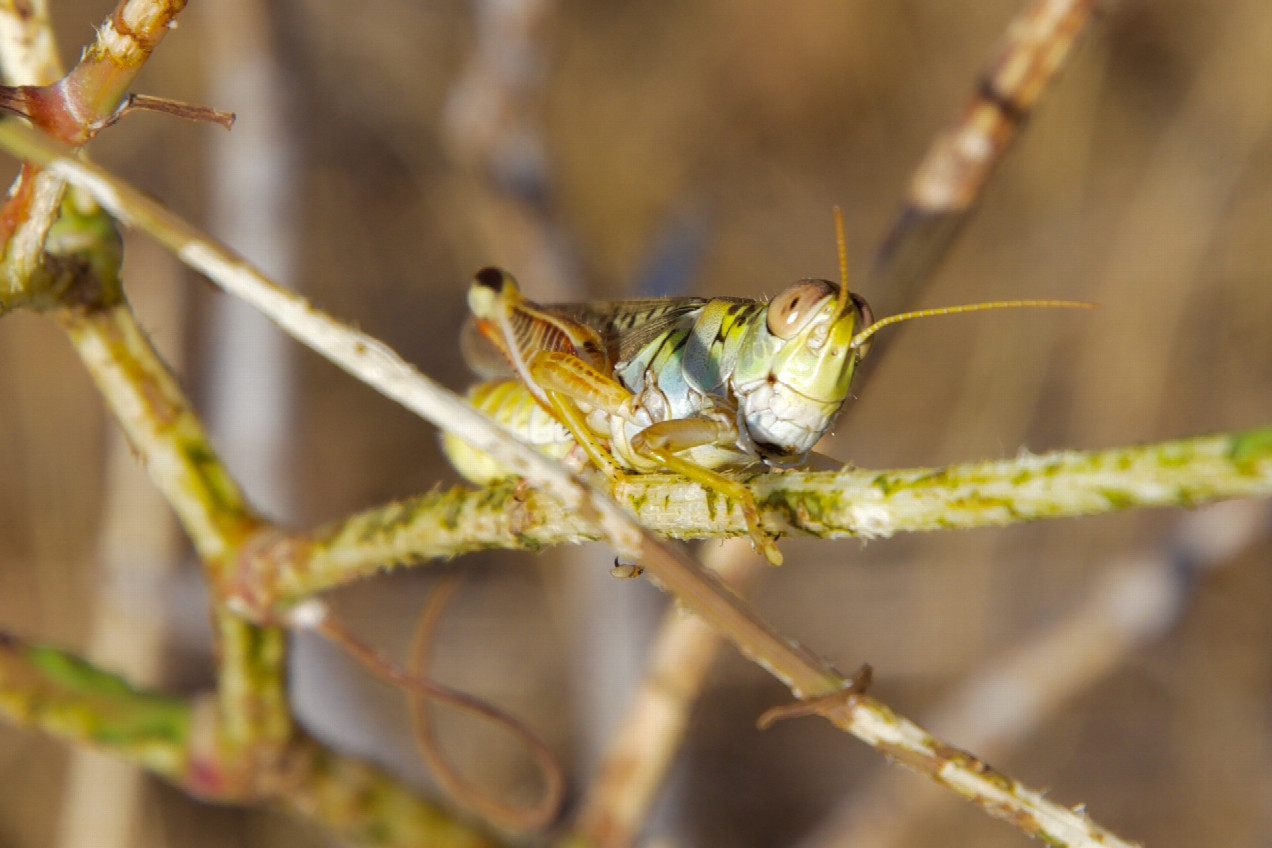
(385, 150)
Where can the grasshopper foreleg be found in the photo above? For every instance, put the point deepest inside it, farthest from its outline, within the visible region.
(571, 384)
(664, 440)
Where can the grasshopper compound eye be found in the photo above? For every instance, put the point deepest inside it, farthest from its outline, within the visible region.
(790, 311)
(489, 285)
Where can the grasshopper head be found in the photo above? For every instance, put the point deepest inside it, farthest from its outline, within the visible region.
(794, 374)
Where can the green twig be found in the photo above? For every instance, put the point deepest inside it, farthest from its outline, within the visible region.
(161, 426)
(853, 502)
(367, 806)
(73, 265)
(65, 696)
(73, 109)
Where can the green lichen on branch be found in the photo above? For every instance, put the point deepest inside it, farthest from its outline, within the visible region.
(161, 425)
(78, 266)
(65, 696)
(61, 694)
(852, 502)
(368, 807)
(1183, 472)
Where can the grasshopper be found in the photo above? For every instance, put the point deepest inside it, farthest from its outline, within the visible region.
(704, 387)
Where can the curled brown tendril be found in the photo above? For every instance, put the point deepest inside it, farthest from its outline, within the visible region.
(420, 690)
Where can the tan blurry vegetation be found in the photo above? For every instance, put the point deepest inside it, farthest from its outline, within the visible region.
(1144, 183)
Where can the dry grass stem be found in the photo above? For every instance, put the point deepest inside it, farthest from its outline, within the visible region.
(1008, 698)
(636, 762)
(961, 160)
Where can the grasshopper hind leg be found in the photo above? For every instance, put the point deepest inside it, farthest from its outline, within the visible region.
(509, 403)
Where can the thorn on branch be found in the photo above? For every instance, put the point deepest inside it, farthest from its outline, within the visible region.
(167, 106)
(53, 109)
(845, 697)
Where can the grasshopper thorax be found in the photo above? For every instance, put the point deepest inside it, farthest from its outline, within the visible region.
(795, 368)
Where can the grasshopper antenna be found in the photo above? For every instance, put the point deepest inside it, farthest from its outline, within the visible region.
(842, 243)
(862, 337)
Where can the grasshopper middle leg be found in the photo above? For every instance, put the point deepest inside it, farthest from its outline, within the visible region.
(569, 382)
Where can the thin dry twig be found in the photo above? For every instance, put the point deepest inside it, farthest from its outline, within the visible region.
(946, 184)
(173, 108)
(638, 757)
(456, 785)
(1009, 697)
(315, 615)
